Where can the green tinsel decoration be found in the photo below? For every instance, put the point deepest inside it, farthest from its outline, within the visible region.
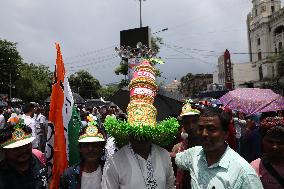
(162, 134)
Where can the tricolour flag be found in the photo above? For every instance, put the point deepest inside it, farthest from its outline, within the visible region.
(62, 145)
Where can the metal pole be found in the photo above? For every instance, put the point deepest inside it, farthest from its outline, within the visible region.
(140, 15)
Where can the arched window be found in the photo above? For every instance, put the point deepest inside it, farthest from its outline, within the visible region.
(259, 56)
(280, 46)
(278, 30)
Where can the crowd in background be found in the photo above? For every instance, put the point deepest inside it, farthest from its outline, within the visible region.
(247, 135)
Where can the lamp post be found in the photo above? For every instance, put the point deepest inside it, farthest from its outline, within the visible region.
(140, 6)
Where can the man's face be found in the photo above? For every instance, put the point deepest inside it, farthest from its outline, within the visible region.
(273, 147)
(20, 154)
(140, 144)
(92, 151)
(212, 136)
(189, 122)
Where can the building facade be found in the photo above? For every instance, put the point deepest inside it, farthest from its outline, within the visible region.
(196, 84)
(265, 24)
(244, 74)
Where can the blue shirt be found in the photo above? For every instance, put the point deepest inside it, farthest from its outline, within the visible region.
(232, 171)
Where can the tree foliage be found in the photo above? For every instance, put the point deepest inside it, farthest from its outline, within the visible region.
(184, 85)
(155, 43)
(34, 83)
(85, 84)
(277, 83)
(10, 60)
(108, 92)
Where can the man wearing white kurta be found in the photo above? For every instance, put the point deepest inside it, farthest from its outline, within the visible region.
(128, 170)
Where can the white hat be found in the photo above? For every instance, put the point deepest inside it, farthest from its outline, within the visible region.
(19, 137)
(187, 110)
(20, 143)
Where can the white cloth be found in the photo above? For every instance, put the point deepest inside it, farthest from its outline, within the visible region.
(92, 180)
(2, 121)
(32, 124)
(240, 126)
(122, 170)
(110, 148)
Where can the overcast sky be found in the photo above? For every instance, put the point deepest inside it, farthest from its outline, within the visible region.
(88, 30)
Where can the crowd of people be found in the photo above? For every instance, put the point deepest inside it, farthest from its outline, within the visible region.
(214, 148)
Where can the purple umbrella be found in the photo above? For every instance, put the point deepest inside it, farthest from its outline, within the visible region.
(253, 100)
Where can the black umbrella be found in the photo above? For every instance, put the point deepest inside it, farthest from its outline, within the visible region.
(77, 99)
(165, 106)
(96, 102)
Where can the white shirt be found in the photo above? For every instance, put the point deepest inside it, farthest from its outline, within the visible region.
(39, 120)
(2, 121)
(32, 124)
(92, 180)
(124, 171)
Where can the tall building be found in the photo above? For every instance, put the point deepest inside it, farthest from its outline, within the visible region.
(265, 28)
(240, 73)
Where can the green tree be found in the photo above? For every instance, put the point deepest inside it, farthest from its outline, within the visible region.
(155, 43)
(109, 91)
(277, 83)
(10, 60)
(34, 83)
(85, 84)
(185, 84)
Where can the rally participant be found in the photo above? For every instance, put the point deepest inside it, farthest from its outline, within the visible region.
(270, 167)
(215, 164)
(2, 118)
(88, 173)
(189, 118)
(29, 109)
(21, 168)
(140, 163)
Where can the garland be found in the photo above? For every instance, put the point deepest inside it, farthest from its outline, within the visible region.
(270, 122)
(162, 134)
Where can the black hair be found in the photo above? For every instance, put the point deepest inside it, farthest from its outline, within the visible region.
(7, 131)
(122, 117)
(28, 107)
(223, 116)
(194, 118)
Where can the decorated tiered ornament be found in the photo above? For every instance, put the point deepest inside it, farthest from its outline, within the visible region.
(141, 122)
(16, 136)
(91, 133)
(188, 110)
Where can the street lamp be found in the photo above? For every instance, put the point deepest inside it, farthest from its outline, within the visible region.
(140, 12)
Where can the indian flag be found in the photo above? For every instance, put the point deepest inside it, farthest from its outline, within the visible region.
(62, 145)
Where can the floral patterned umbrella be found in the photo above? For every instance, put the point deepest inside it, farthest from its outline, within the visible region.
(253, 100)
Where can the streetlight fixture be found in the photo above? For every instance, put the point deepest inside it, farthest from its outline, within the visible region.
(140, 3)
